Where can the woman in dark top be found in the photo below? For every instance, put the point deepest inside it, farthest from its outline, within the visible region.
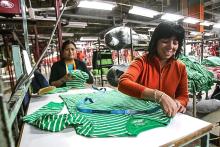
(59, 71)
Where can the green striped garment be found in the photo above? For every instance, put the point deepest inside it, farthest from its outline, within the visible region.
(99, 125)
(106, 125)
(199, 78)
(59, 90)
(47, 118)
(79, 80)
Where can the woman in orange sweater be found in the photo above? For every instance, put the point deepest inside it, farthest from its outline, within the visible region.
(158, 75)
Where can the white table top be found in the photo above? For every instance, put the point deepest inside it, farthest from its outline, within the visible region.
(180, 128)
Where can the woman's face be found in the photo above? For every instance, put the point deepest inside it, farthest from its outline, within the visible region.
(166, 47)
(69, 52)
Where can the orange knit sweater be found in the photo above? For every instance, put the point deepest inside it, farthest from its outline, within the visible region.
(144, 72)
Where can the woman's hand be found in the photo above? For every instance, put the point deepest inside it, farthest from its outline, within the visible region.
(180, 107)
(64, 79)
(67, 77)
(169, 105)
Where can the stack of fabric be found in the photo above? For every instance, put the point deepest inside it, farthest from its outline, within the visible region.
(211, 61)
(103, 124)
(213, 65)
(200, 79)
(79, 79)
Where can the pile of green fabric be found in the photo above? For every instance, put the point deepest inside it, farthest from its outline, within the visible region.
(79, 79)
(106, 125)
(199, 78)
(211, 61)
(58, 90)
(47, 118)
(96, 124)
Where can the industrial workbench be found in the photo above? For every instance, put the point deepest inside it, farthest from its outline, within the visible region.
(182, 130)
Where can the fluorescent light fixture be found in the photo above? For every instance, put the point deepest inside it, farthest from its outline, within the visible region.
(80, 43)
(45, 18)
(97, 5)
(151, 29)
(208, 34)
(171, 17)
(194, 33)
(217, 25)
(206, 23)
(91, 38)
(143, 12)
(76, 25)
(40, 36)
(67, 34)
(191, 20)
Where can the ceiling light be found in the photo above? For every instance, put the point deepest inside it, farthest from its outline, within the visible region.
(171, 17)
(191, 20)
(91, 38)
(206, 23)
(76, 25)
(45, 18)
(208, 34)
(194, 33)
(143, 12)
(217, 25)
(80, 43)
(67, 34)
(151, 29)
(97, 5)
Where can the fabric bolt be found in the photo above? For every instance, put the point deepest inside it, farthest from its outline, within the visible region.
(106, 125)
(79, 80)
(199, 78)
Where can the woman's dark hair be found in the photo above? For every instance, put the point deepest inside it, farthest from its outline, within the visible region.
(67, 42)
(166, 30)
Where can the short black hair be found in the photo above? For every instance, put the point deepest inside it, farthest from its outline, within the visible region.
(67, 42)
(166, 30)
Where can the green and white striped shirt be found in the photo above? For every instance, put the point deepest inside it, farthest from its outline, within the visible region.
(99, 125)
(79, 80)
(117, 124)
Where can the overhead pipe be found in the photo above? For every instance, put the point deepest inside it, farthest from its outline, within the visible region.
(59, 29)
(36, 50)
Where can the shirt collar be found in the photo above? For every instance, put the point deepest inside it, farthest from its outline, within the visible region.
(156, 61)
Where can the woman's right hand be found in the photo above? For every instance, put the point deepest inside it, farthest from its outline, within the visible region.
(67, 77)
(169, 105)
